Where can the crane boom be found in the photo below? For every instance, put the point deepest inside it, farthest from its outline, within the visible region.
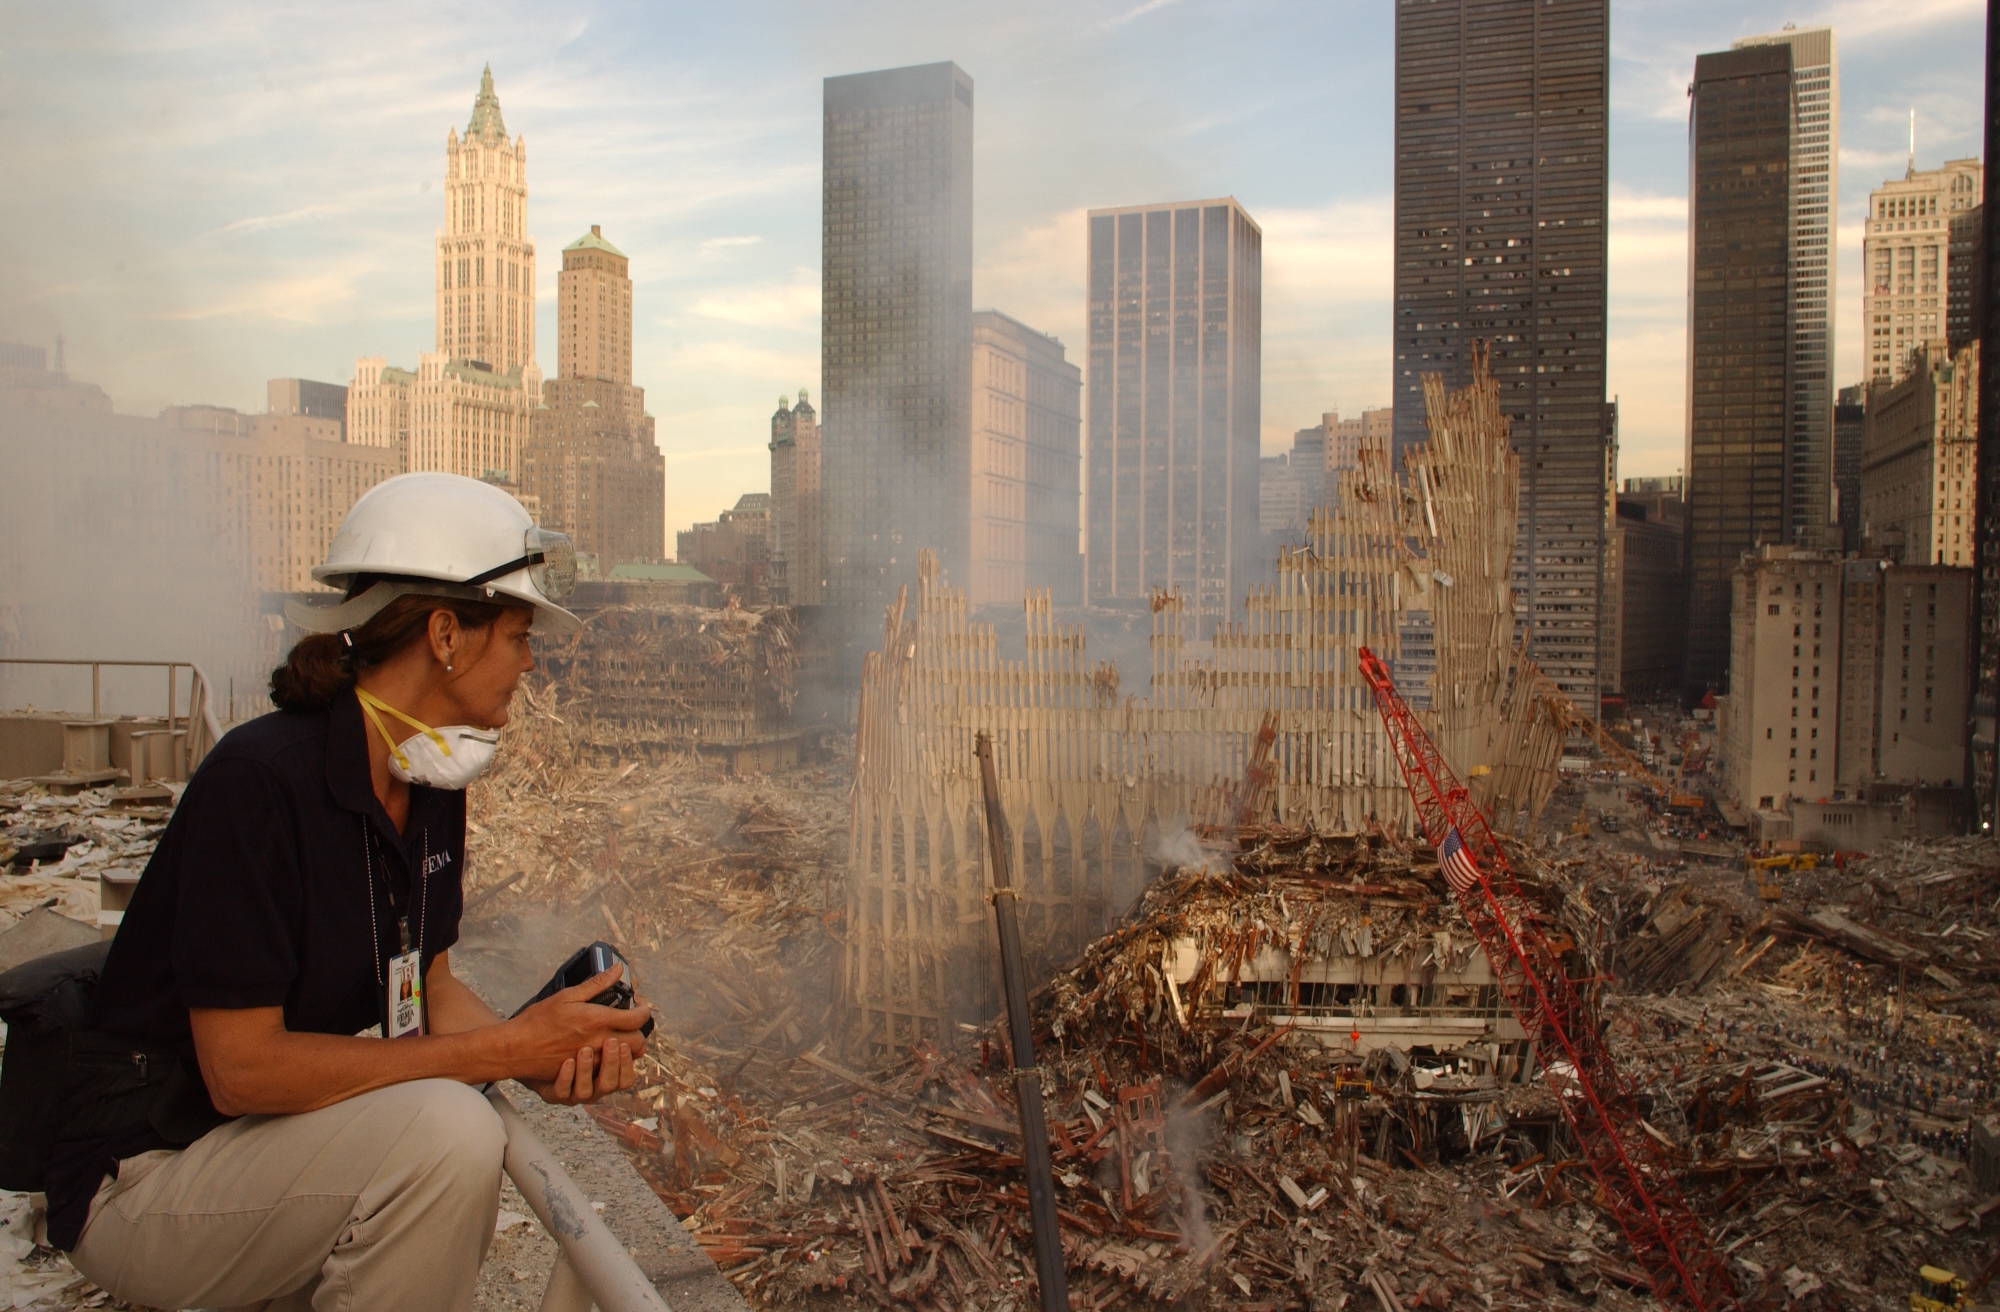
(1667, 1238)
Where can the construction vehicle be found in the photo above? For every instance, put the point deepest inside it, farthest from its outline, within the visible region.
(1757, 868)
(1352, 1086)
(1635, 1175)
(1938, 1290)
(1757, 882)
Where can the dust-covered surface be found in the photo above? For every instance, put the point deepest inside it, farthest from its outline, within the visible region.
(1815, 1063)
(54, 846)
(1816, 1100)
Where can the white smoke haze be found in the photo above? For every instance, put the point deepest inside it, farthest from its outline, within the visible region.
(105, 555)
(1183, 850)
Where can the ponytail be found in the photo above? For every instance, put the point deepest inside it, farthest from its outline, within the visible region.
(322, 666)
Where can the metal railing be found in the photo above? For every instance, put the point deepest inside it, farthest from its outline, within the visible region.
(592, 1267)
(203, 729)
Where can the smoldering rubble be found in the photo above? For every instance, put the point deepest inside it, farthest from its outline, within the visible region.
(1821, 1064)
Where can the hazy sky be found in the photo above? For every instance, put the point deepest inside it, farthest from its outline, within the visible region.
(203, 196)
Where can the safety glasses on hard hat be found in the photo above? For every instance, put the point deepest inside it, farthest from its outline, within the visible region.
(550, 560)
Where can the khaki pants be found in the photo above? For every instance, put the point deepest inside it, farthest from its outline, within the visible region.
(385, 1201)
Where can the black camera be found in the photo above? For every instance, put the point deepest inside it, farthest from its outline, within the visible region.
(585, 965)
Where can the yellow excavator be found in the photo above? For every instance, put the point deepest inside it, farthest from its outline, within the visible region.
(1938, 1290)
(1757, 869)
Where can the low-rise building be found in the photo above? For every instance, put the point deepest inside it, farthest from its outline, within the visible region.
(26, 379)
(1849, 676)
(1784, 677)
(734, 549)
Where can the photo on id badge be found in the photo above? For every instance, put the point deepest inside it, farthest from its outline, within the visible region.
(406, 995)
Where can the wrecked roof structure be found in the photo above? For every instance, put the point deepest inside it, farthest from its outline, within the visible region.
(1096, 784)
(676, 676)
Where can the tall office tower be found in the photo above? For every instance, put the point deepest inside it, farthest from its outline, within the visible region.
(591, 462)
(796, 573)
(1027, 423)
(485, 262)
(895, 329)
(1739, 465)
(1984, 740)
(1915, 226)
(305, 398)
(1965, 277)
(1850, 420)
(1815, 191)
(1917, 460)
(1176, 360)
(466, 407)
(1500, 230)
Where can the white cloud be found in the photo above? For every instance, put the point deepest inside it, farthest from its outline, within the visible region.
(1646, 342)
(1035, 274)
(792, 304)
(1328, 279)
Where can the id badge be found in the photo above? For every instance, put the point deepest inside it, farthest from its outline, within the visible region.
(406, 995)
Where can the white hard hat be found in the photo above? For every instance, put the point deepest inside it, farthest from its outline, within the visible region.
(441, 535)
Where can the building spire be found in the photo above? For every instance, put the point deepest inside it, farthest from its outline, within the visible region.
(1912, 172)
(486, 120)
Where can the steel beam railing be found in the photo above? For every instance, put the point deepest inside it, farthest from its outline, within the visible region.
(203, 729)
(592, 1267)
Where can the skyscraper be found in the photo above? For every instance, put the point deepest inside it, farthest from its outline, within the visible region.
(465, 409)
(485, 262)
(1921, 227)
(1984, 741)
(1175, 379)
(1814, 175)
(1026, 464)
(592, 464)
(1739, 458)
(796, 574)
(1501, 123)
(895, 329)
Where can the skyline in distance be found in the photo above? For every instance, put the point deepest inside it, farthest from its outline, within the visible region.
(208, 198)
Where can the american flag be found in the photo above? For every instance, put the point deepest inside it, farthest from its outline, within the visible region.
(1456, 863)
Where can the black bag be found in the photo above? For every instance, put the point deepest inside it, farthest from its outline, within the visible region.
(60, 1081)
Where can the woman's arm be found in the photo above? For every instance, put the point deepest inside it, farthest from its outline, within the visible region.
(568, 1049)
(453, 1007)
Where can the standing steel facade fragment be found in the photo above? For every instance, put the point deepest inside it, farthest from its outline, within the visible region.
(1100, 785)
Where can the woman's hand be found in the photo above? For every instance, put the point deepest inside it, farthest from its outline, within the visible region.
(589, 1049)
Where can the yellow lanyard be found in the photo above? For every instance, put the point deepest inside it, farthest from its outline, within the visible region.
(370, 703)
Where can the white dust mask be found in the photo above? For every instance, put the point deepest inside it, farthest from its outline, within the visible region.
(451, 757)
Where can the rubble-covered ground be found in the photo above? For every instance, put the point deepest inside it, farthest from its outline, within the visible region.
(1815, 1062)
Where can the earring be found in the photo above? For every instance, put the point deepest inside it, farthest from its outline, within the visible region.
(447, 667)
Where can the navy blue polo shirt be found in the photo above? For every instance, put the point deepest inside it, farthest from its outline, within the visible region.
(260, 895)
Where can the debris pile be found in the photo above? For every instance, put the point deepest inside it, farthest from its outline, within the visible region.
(674, 676)
(1210, 1145)
(54, 847)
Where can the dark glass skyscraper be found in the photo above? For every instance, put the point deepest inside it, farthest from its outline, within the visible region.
(1175, 375)
(1985, 736)
(1739, 330)
(1500, 228)
(895, 329)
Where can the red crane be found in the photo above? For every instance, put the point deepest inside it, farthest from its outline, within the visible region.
(1634, 1173)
